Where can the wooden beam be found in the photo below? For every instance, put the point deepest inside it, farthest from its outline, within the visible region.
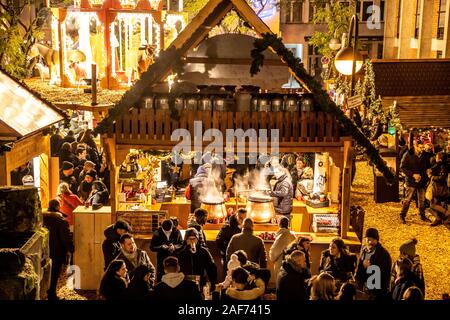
(345, 208)
(207, 60)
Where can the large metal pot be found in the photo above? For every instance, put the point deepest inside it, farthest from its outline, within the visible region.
(162, 102)
(277, 103)
(216, 210)
(264, 104)
(179, 103)
(191, 103)
(148, 102)
(205, 104)
(260, 209)
(291, 104)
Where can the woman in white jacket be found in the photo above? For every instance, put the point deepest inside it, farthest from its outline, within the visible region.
(283, 237)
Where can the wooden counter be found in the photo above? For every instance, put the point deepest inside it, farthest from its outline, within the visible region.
(88, 234)
(180, 208)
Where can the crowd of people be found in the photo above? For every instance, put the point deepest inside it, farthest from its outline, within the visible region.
(186, 270)
(426, 180)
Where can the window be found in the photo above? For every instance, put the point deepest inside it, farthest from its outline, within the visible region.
(399, 14)
(314, 60)
(313, 7)
(441, 19)
(439, 54)
(366, 11)
(417, 23)
(293, 11)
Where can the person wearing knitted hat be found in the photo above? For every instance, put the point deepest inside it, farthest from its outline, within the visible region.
(196, 260)
(85, 188)
(374, 267)
(408, 250)
(66, 175)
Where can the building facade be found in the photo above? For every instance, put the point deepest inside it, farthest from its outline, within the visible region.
(417, 29)
(297, 27)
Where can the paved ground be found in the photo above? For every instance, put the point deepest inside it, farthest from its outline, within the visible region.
(433, 242)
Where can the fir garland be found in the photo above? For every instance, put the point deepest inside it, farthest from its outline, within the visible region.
(321, 97)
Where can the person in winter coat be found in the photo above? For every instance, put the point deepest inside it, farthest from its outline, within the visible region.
(166, 241)
(304, 245)
(114, 281)
(85, 188)
(408, 250)
(373, 253)
(413, 294)
(69, 202)
(66, 175)
(99, 195)
(174, 286)
(65, 154)
(111, 245)
(338, 262)
(244, 287)
(197, 184)
(251, 244)
(283, 237)
(223, 238)
(196, 260)
(60, 243)
(56, 142)
(414, 165)
(283, 192)
(88, 166)
(134, 257)
(70, 137)
(139, 287)
(291, 280)
(200, 217)
(405, 279)
(441, 192)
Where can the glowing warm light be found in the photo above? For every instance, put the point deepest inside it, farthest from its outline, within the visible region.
(344, 60)
(22, 111)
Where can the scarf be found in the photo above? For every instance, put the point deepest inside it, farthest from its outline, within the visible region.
(132, 257)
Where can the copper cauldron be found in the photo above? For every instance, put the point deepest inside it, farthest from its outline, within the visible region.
(216, 210)
(260, 209)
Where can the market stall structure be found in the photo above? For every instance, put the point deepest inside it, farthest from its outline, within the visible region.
(139, 128)
(24, 118)
(121, 37)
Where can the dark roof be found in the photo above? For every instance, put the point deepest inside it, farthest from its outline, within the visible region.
(422, 112)
(395, 78)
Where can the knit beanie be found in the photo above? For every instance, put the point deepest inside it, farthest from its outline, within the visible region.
(372, 233)
(234, 262)
(67, 165)
(409, 248)
(191, 232)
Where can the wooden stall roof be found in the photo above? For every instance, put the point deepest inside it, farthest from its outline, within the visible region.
(395, 78)
(23, 112)
(419, 88)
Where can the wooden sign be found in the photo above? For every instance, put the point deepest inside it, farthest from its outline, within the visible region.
(143, 222)
(354, 102)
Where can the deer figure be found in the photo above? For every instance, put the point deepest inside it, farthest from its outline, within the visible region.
(50, 56)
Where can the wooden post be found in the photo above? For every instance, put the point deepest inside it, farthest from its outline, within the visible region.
(94, 84)
(345, 208)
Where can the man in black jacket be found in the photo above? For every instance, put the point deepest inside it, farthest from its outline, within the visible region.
(414, 165)
(291, 279)
(111, 245)
(60, 243)
(174, 286)
(201, 216)
(374, 257)
(196, 260)
(66, 175)
(166, 241)
(224, 236)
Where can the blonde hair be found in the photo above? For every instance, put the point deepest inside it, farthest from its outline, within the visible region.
(63, 188)
(323, 287)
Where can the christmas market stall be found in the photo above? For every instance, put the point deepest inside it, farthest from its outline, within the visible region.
(417, 95)
(121, 37)
(25, 146)
(190, 89)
